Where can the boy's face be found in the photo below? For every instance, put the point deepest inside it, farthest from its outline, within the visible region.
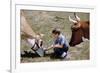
(55, 35)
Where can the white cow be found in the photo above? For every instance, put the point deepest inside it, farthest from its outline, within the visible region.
(28, 34)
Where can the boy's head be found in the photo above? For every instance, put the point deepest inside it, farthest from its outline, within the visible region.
(56, 32)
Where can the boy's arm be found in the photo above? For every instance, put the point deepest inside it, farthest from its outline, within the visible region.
(49, 47)
(54, 46)
(58, 46)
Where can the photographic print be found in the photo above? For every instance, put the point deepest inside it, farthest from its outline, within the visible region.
(50, 36)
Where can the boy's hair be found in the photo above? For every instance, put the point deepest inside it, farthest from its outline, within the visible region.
(56, 31)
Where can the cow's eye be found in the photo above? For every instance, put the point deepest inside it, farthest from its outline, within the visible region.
(75, 23)
(74, 29)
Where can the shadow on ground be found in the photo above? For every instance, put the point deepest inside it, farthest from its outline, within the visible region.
(30, 54)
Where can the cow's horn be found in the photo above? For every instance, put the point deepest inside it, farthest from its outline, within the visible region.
(77, 18)
(72, 20)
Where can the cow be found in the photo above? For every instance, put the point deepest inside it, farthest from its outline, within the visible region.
(28, 34)
(80, 30)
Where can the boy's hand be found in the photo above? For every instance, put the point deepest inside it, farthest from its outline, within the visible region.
(52, 46)
(49, 47)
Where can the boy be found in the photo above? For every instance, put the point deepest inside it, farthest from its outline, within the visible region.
(60, 45)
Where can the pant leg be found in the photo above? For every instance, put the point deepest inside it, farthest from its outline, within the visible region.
(65, 49)
(59, 51)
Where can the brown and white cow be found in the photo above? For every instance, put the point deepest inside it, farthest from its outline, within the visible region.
(80, 30)
(28, 34)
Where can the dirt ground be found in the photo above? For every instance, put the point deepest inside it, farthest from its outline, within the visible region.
(44, 22)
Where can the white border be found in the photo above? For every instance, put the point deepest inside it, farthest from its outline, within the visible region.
(16, 66)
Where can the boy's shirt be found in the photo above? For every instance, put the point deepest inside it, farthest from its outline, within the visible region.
(61, 40)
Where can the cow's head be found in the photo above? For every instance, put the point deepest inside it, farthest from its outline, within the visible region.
(39, 40)
(79, 29)
(36, 43)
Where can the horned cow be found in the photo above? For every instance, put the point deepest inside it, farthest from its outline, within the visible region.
(80, 29)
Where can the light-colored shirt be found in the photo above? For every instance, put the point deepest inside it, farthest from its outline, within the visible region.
(61, 40)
